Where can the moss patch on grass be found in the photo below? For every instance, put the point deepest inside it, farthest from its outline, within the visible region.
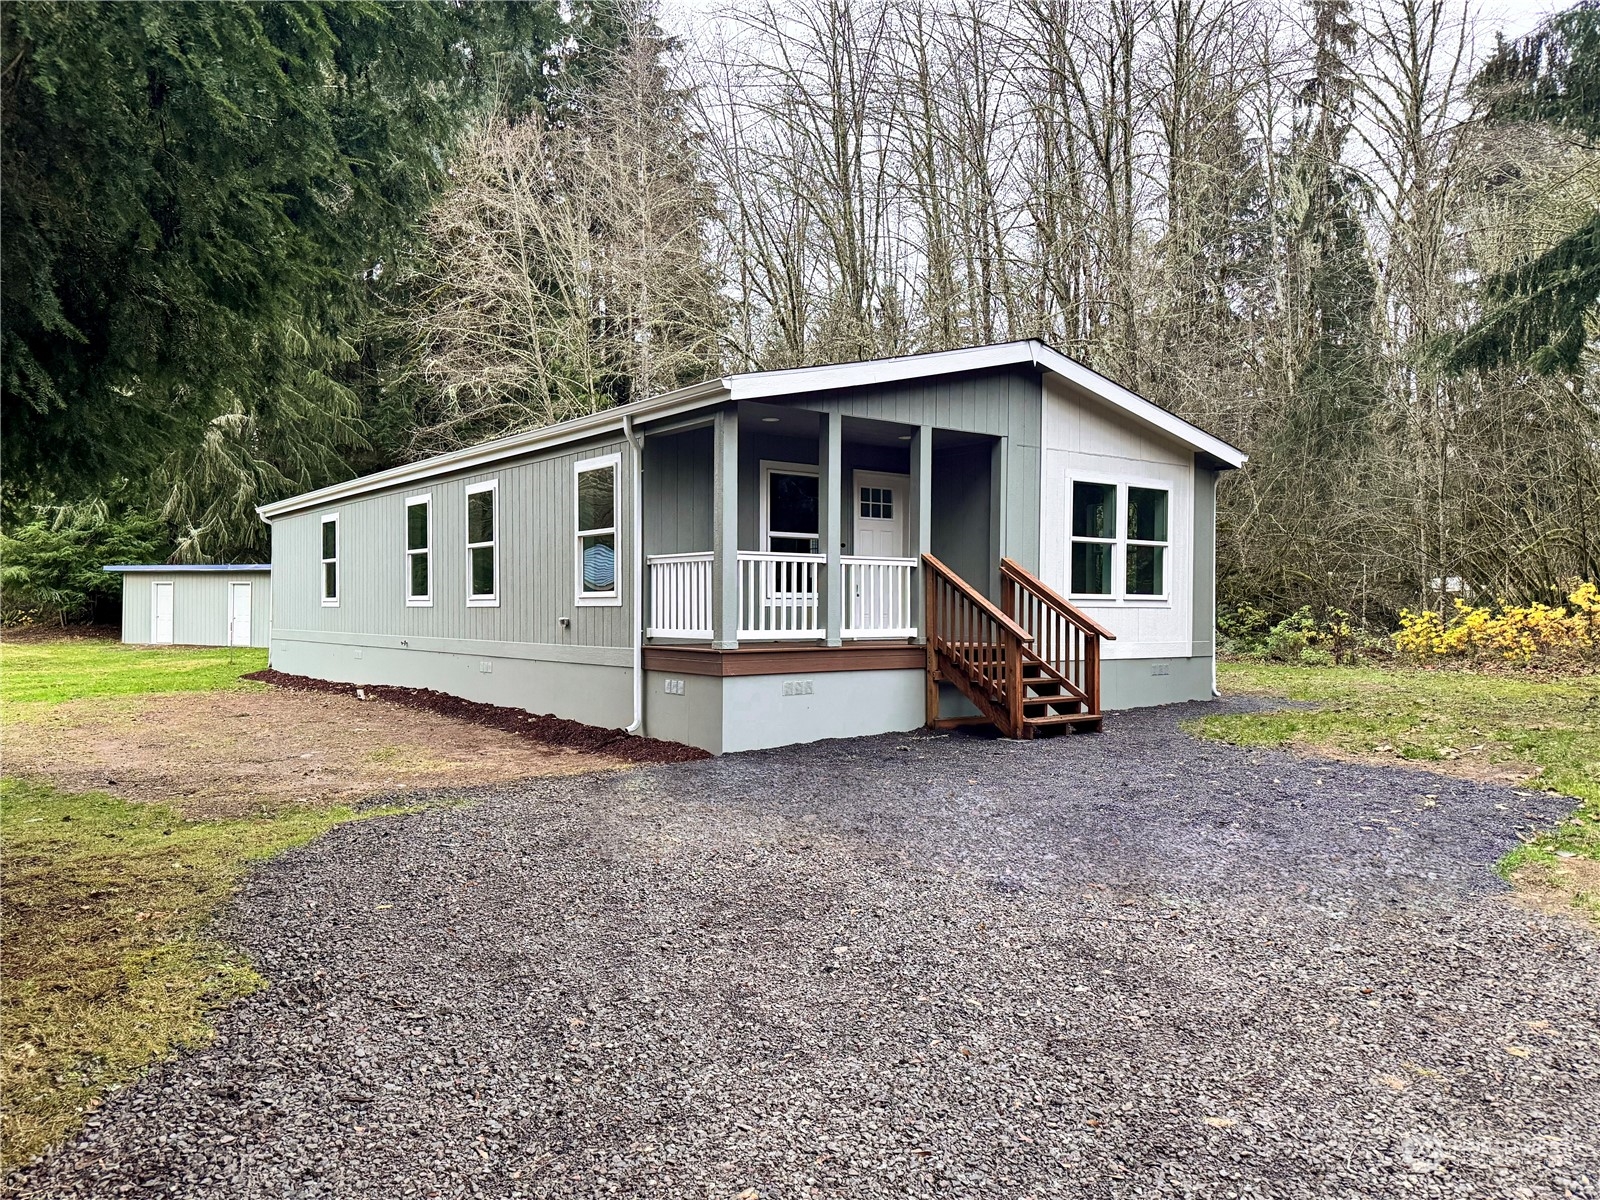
(51, 671)
(107, 963)
(1540, 733)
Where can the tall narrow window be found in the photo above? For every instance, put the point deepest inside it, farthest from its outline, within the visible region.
(597, 530)
(1147, 542)
(482, 530)
(789, 505)
(1094, 537)
(419, 550)
(330, 561)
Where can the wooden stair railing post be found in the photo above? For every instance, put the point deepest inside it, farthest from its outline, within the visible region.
(1013, 684)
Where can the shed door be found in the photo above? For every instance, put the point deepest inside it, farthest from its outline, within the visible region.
(161, 614)
(238, 614)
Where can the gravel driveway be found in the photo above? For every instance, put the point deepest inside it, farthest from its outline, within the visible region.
(1127, 965)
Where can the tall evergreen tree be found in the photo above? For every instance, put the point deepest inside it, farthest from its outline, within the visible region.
(1545, 309)
(199, 201)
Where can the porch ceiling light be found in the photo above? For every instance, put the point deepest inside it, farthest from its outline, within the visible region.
(769, 420)
(905, 437)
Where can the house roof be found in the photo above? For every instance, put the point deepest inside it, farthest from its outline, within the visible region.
(772, 385)
(184, 568)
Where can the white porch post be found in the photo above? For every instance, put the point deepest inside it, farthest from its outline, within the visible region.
(921, 499)
(725, 530)
(830, 496)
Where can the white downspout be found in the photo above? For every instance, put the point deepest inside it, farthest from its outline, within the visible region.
(638, 573)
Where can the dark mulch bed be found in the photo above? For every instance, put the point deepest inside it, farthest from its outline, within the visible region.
(49, 631)
(546, 729)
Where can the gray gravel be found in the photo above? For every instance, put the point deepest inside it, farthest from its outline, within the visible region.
(1126, 965)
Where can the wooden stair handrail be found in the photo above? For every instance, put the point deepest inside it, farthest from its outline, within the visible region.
(1021, 574)
(979, 599)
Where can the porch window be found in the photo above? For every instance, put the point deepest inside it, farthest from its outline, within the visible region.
(330, 561)
(597, 530)
(1094, 537)
(789, 504)
(419, 551)
(1147, 541)
(482, 544)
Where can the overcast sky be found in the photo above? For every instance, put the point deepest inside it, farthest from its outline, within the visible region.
(1510, 17)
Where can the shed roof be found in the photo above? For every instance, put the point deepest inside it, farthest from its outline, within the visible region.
(775, 385)
(184, 568)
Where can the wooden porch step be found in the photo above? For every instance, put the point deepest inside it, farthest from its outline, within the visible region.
(1078, 718)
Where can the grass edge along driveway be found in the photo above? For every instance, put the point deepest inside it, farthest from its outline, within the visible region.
(1454, 720)
(106, 904)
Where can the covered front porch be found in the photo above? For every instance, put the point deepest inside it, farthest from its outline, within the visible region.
(783, 524)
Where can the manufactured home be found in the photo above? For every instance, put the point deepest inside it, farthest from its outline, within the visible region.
(996, 534)
(196, 605)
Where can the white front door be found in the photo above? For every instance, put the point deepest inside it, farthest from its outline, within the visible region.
(161, 614)
(880, 508)
(238, 614)
(876, 597)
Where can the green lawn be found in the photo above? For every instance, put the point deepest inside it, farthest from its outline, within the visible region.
(72, 668)
(1549, 729)
(104, 914)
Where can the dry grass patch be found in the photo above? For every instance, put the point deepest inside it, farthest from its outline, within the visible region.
(223, 754)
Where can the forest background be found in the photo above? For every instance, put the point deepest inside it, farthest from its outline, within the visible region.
(252, 249)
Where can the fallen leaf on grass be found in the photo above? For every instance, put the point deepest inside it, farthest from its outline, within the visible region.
(1219, 1122)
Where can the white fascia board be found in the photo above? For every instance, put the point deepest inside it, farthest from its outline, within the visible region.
(764, 385)
(1136, 405)
(472, 457)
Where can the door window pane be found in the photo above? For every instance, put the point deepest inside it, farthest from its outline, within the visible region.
(1147, 515)
(1091, 568)
(1094, 510)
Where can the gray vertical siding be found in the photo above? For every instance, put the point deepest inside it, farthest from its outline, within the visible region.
(1004, 404)
(961, 517)
(677, 492)
(200, 602)
(536, 558)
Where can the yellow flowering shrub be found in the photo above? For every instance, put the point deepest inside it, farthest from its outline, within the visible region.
(1521, 635)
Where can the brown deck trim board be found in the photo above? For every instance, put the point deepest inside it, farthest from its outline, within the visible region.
(784, 659)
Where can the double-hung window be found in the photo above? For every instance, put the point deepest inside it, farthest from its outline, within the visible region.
(330, 561)
(419, 551)
(1094, 537)
(1119, 541)
(483, 527)
(596, 519)
(1146, 570)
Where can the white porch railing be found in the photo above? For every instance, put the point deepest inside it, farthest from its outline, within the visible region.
(778, 596)
(877, 597)
(680, 596)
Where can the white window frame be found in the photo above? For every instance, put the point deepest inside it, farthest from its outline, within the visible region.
(770, 467)
(426, 552)
(472, 489)
(323, 561)
(1119, 594)
(1129, 540)
(613, 598)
